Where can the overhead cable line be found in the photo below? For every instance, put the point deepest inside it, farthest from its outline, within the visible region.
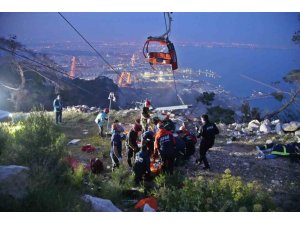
(97, 52)
(47, 66)
(175, 87)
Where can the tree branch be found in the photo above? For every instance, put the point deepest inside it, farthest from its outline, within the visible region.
(287, 104)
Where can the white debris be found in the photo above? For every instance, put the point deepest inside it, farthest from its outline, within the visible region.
(74, 142)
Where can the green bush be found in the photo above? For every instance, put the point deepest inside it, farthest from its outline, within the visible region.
(3, 138)
(206, 98)
(225, 193)
(39, 144)
(218, 114)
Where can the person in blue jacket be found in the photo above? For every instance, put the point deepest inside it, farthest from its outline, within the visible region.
(100, 120)
(57, 105)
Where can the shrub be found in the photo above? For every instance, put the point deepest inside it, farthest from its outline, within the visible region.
(206, 98)
(225, 193)
(39, 144)
(3, 138)
(221, 115)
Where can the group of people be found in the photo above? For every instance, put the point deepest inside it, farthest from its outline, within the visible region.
(151, 139)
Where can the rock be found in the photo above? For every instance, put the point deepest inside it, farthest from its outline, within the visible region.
(229, 142)
(275, 122)
(265, 128)
(5, 116)
(267, 122)
(237, 133)
(292, 126)
(148, 208)
(14, 181)
(269, 141)
(245, 130)
(100, 205)
(278, 129)
(297, 133)
(253, 125)
(238, 127)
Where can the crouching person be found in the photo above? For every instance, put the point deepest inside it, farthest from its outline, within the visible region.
(116, 149)
(164, 145)
(141, 166)
(190, 141)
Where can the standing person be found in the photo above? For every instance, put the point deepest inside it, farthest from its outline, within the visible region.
(132, 142)
(207, 132)
(145, 116)
(57, 105)
(141, 166)
(116, 148)
(164, 144)
(100, 120)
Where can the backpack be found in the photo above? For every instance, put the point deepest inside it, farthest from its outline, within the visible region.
(96, 165)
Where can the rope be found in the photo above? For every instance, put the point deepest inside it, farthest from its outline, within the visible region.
(168, 29)
(175, 87)
(118, 73)
(49, 67)
(166, 24)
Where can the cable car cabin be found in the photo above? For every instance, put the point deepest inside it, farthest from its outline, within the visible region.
(161, 58)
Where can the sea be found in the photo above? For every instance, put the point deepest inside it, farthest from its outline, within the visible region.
(261, 66)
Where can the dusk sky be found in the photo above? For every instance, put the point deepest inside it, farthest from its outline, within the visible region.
(271, 29)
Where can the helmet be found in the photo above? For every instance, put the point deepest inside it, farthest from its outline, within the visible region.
(106, 110)
(137, 127)
(147, 103)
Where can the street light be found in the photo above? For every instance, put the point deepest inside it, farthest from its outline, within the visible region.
(111, 97)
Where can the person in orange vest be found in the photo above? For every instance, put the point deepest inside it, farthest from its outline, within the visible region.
(164, 145)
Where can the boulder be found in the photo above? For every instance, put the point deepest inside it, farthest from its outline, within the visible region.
(238, 127)
(100, 204)
(291, 127)
(275, 122)
(264, 128)
(5, 116)
(278, 129)
(253, 125)
(14, 181)
(267, 122)
(148, 208)
(297, 133)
